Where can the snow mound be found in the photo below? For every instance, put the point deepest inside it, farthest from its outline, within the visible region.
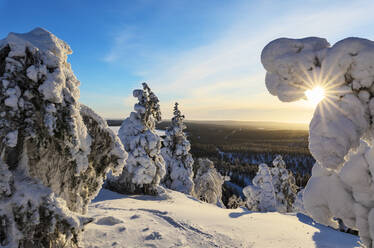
(182, 221)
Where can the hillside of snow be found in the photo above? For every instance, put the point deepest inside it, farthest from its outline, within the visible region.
(178, 220)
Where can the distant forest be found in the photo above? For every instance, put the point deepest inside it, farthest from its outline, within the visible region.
(237, 148)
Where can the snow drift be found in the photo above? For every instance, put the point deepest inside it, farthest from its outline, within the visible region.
(51, 163)
(341, 131)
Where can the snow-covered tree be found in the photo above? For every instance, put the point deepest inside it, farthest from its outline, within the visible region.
(178, 160)
(208, 182)
(341, 132)
(284, 184)
(52, 159)
(145, 165)
(298, 205)
(261, 195)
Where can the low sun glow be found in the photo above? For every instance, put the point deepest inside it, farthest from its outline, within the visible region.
(315, 95)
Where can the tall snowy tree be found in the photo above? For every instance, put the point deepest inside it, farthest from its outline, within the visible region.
(341, 133)
(284, 184)
(178, 160)
(54, 152)
(261, 195)
(208, 182)
(145, 165)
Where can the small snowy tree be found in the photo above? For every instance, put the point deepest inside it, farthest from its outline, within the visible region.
(261, 196)
(298, 205)
(178, 160)
(284, 185)
(208, 182)
(145, 165)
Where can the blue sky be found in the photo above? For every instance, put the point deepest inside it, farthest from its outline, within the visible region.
(203, 54)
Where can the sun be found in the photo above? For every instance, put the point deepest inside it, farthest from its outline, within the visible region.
(315, 95)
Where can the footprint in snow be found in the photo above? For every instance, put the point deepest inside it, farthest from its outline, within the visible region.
(108, 221)
(135, 216)
(154, 236)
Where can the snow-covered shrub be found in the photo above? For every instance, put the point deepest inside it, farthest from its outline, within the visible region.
(341, 131)
(235, 202)
(208, 182)
(49, 168)
(145, 165)
(178, 160)
(261, 195)
(284, 184)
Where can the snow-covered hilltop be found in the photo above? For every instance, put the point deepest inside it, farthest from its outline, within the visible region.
(177, 220)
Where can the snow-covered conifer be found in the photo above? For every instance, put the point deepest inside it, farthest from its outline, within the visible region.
(52, 162)
(298, 205)
(208, 182)
(341, 135)
(178, 160)
(284, 184)
(145, 165)
(261, 195)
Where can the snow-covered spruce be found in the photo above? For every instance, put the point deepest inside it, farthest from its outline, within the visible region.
(208, 182)
(178, 160)
(48, 168)
(298, 205)
(145, 166)
(284, 184)
(261, 195)
(341, 131)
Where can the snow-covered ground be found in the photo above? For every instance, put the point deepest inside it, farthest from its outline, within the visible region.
(116, 128)
(177, 220)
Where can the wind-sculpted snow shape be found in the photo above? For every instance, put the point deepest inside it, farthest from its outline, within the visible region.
(145, 165)
(178, 160)
(341, 131)
(51, 162)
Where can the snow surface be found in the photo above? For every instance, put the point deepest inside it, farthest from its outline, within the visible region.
(158, 132)
(177, 220)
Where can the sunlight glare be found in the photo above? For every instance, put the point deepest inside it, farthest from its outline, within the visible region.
(315, 95)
